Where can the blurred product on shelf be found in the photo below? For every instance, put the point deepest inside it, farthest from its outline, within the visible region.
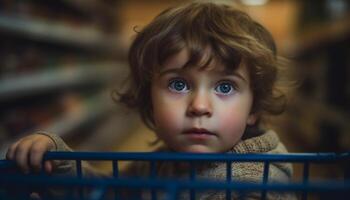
(59, 62)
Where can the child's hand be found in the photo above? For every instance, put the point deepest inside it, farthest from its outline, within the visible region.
(28, 152)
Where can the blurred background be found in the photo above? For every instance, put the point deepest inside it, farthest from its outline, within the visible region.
(60, 61)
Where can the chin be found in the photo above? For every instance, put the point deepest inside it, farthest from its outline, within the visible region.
(198, 149)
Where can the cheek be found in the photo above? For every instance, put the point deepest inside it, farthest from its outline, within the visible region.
(164, 118)
(230, 120)
(233, 118)
(167, 114)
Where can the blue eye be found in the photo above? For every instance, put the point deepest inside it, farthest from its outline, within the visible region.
(224, 88)
(178, 85)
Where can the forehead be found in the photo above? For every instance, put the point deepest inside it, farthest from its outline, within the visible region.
(208, 62)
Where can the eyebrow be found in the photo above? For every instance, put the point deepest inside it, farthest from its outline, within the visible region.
(169, 71)
(223, 73)
(239, 76)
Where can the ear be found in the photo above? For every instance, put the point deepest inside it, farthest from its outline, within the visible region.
(252, 118)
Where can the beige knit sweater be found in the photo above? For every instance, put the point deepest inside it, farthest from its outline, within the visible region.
(244, 171)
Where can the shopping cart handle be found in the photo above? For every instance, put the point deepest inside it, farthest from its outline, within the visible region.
(7, 164)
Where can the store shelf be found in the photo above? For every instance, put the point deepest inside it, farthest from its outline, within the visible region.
(320, 35)
(326, 111)
(57, 58)
(58, 32)
(90, 6)
(318, 113)
(30, 84)
(91, 109)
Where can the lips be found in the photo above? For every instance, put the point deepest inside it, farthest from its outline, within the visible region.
(198, 131)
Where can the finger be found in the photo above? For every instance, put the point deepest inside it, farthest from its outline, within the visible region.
(35, 196)
(48, 166)
(11, 151)
(36, 154)
(21, 155)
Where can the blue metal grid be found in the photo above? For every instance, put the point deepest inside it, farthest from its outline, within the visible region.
(14, 185)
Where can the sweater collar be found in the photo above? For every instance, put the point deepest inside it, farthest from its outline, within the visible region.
(260, 144)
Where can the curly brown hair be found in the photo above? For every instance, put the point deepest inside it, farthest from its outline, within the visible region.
(234, 38)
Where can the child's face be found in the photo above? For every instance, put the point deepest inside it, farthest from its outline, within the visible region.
(200, 110)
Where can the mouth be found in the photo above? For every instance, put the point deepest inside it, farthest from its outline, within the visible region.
(198, 131)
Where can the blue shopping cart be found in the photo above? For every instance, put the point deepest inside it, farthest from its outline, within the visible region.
(14, 185)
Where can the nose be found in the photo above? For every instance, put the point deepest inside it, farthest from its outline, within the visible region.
(199, 105)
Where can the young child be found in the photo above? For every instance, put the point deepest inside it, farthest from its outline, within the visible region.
(202, 77)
